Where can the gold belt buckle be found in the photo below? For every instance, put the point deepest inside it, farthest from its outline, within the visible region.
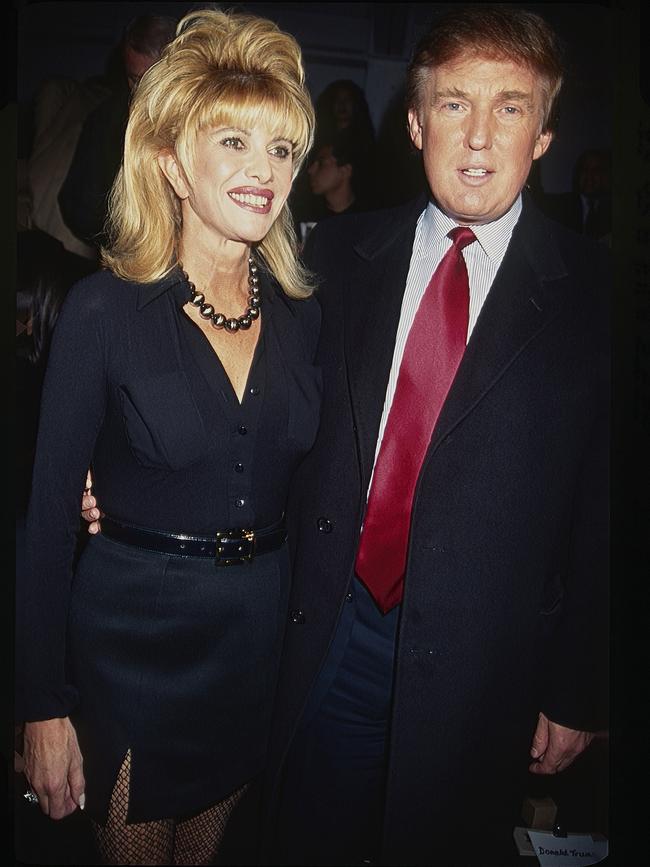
(244, 556)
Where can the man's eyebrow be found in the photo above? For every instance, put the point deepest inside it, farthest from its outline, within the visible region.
(502, 95)
(518, 95)
(450, 92)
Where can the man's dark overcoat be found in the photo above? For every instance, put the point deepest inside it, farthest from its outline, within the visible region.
(504, 608)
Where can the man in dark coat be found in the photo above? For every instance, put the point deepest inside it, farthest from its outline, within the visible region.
(588, 207)
(83, 197)
(406, 736)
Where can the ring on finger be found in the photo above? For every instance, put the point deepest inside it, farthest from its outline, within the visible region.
(31, 797)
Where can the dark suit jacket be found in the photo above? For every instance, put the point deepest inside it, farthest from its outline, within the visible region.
(504, 609)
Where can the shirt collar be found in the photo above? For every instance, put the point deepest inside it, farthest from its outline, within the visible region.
(493, 237)
(172, 281)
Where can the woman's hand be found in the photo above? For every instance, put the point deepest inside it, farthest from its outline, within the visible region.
(53, 766)
(89, 510)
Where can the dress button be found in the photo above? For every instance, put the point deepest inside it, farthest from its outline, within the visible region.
(240, 503)
(254, 390)
(239, 468)
(324, 525)
(242, 429)
(296, 616)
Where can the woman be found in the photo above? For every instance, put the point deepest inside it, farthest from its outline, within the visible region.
(193, 398)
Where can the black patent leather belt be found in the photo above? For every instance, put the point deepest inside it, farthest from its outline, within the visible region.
(226, 547)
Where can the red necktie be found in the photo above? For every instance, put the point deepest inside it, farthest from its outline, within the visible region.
(433, 351)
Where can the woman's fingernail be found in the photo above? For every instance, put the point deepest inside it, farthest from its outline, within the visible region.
(82, 801)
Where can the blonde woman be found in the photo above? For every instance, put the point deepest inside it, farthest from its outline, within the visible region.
(182, 372)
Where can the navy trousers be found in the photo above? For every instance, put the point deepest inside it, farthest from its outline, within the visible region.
(332, 801)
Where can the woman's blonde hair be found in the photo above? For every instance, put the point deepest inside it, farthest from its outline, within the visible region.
(223, 69)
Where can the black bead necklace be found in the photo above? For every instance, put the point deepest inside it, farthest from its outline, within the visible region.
(220, 320)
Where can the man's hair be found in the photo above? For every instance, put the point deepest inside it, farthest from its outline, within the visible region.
(222, 69)
(347, 149)
(149, 34)
(495, 31)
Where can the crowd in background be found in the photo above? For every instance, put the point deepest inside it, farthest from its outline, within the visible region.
(71, 133)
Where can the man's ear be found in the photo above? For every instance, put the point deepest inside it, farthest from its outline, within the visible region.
(542, 144)
(171, 169)
(415, 128)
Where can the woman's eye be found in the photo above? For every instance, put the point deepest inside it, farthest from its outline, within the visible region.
(282, 151)
(233, 142)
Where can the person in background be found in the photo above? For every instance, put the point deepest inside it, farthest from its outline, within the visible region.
(447, 630)
(342, 119)
(338, 179)
(145, 675)
(587, 209)
(83, 197)
(342, 105)
(60, 107)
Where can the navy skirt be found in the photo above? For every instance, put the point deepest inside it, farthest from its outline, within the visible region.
(175, 659)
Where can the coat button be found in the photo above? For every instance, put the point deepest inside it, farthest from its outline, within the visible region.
(242, 429)
(324, 525)
(349, 597)
(296, 616)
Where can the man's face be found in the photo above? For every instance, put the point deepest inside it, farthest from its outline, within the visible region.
(594, 176)
(325, 174)
(478, 129)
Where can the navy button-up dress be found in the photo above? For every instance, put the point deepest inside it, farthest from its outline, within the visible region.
(170, 657)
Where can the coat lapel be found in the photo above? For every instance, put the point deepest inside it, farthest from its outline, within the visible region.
(370, 323)
(522, 301)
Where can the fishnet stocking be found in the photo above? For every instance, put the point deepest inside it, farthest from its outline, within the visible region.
(194, 840)
(198, 838)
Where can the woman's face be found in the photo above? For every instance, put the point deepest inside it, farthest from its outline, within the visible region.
(242, 178)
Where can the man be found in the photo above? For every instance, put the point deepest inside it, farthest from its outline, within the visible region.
(339, 177)
(404, 731)
(98, 154)
(61, 105)
(588, 207)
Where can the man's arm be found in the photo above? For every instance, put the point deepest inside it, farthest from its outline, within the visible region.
(574, 697)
